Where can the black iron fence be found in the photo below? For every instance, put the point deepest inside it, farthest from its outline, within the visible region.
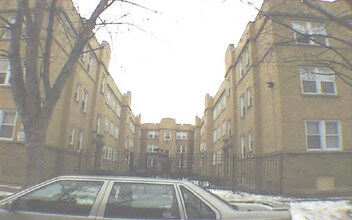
(277, 173)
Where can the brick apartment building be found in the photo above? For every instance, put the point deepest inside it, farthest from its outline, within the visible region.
(91, 112)
(283, 96)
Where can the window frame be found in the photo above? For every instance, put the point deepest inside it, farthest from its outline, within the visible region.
(2, 113)
(318, 75)
(309, 32)
(7, 78)
(167, 136)
(84, 102)
(322, 134)
(242, 105)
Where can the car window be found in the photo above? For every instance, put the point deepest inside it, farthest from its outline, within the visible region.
(62, 197)
(142, 201)
(195, 207)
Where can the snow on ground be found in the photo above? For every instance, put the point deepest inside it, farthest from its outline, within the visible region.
(301, 209)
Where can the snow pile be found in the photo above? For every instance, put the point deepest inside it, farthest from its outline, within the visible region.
(300, 209)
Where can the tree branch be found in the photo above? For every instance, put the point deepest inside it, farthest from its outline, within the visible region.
(47, 48)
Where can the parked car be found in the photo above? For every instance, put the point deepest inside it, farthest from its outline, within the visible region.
(103, 198)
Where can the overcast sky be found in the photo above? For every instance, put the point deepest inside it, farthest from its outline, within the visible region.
(171, 59)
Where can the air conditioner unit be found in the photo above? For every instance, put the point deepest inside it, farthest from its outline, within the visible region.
(21, 136)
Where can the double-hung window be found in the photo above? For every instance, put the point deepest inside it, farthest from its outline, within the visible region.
(313, 33)
(323, 134)
(152, 148)
(84, 101)
(7, 124)
(153, 134)
(317, 80)
(167, 135)
(181, 149)
(5, 73)
(242, 106)
(181, 135)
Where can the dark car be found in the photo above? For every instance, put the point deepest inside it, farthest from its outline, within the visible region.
(98, 197)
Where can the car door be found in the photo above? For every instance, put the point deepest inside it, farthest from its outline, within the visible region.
(140, 200)
(59, 200)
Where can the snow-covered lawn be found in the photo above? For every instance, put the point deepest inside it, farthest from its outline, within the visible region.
(300, 209)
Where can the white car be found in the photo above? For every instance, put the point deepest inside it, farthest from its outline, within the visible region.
(103, 198)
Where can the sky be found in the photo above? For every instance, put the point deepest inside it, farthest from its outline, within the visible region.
(170, 53)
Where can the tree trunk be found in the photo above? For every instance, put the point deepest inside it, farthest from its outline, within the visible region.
(35, 153)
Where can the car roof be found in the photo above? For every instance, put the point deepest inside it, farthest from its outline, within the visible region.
(123, 178)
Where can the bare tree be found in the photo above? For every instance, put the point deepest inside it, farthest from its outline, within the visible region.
(36, 87)
(334, 46)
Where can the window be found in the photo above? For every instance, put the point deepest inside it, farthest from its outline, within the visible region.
(217, 157)
(309, 33)
(229, 127)
(153, 134)
(195, 207)
(240, 67)
(323, 135)
(242, 106)
(249, 97)
(107, 124)
(203, 146)
(317, 80)
(243, 146)
(89, 66)
(112, 128)
(250, 141)
(109, 153)
(80, 140)
(167, 135)
(116, 132)
(7, 124)
(142, 201)
(72, 135)
(215, 135)
(151, 162)
(77, 92)
(181, 149)
(181, 163)
(181, 135)
(84, 101)
(152, 148)
(247, 57)
(5, 73)
(97, 125)
(224, 129)
(102, 85)
(63, 197)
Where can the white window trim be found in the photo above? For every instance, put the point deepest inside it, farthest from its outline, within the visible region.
(318, 73)
(80, 140)
(152, 148)
(181, 149)
(84, 102)
(97, 124)
(102, 85)
(243, 146)
(242, 106)
(8, 73)
(308, 31)
(153, 134)
(13, 125)
(167, 135)
(322, 135)
(181, 135)
(71, 139)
